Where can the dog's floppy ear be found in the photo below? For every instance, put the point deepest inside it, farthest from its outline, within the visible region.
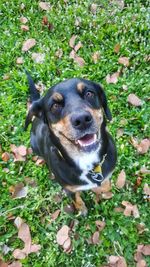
(103, 100)
(35, 110)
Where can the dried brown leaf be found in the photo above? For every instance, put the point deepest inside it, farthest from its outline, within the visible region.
(130, 209)
(67, 245)
(146, 250)
(121, 179)
(120, 132)
(117, 48)
(22, 150)
(100, 225)
(3, 264)
(5, 156)
(19, 60)
(95, 238)
(146, 189)
(59, 53)
(72, 41)
(141, 263)
(28, 44)
(15, 264)
(78, 46)
(44, 6)
(80, 61)
(112, 78)
(19, 191)
(96, 56)
(18, 221)
(124, 61)
(134, 100)
(25, 236)
(55, 215)
(23, 20)
(141, 147)
(62, 235)
(24, 28)
(107, 195)
(38, 57)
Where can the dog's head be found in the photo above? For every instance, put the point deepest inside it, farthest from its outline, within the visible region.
(74, 111)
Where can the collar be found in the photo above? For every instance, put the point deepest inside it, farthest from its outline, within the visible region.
(95, 175)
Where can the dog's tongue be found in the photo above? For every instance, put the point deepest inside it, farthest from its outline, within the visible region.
(87, 140)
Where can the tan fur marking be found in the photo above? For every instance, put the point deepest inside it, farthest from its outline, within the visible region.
(57, 97)
(72, 188)
(80, 87)
(79, 204)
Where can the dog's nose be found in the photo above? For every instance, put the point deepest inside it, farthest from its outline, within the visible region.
(81, 121)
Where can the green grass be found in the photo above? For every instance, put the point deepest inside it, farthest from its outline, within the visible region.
(100, 32)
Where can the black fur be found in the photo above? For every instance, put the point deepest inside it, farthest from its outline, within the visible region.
(46, 144)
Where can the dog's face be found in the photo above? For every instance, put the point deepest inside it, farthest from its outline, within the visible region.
(74, 111)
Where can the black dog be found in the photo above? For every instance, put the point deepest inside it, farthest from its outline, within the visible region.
(69, 132)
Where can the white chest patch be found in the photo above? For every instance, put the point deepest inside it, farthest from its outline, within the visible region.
(86, 163)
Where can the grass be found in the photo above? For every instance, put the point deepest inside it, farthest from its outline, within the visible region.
(100, 32)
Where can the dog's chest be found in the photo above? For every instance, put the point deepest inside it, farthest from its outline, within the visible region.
(86, 163)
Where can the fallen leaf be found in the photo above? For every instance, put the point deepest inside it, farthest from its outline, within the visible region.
(96, 56)
(40, 161)
(121, 179)
(141, 263)
(24, 28)
(93, 8)
(38, 57)
(5, 156)
(107, 195)
(22, 150)
(18, 191)
(95, 238)
(19, 60)
(28, 44)
(62, 235)
(141, 228)
(117, 261)
(55, 215)
(45, 20)
(130, 209)
(15, 264)
(69, 209)
(67, 245)
(59, 53)
(80, 61)
(78, 22)
(144, 170)
(18, 221)
(44, 6)
(124, 61)
(78, 46)
(6, 77)
(112, 78)
(25, 236)
(3, 264)
(146, 250)
(117, 48)
(72, 41)
(120, 132)
(23, 20)
(100, 225)
(146, 189)
(134, 100)
(141, 147)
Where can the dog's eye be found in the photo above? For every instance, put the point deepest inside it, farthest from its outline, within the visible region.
(89, 95)
(56, 107)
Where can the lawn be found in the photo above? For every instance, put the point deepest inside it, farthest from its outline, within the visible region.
(108, 30)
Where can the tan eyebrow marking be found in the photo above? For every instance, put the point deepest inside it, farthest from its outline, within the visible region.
(80, 87)
(57, 97)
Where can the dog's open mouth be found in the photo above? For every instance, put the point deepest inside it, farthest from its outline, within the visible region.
(86, 140)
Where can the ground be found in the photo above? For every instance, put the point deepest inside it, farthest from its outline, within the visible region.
(108, 31)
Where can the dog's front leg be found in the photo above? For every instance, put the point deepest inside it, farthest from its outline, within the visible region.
(64, 174)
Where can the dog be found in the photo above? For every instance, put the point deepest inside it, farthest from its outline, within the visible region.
(69, 133)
